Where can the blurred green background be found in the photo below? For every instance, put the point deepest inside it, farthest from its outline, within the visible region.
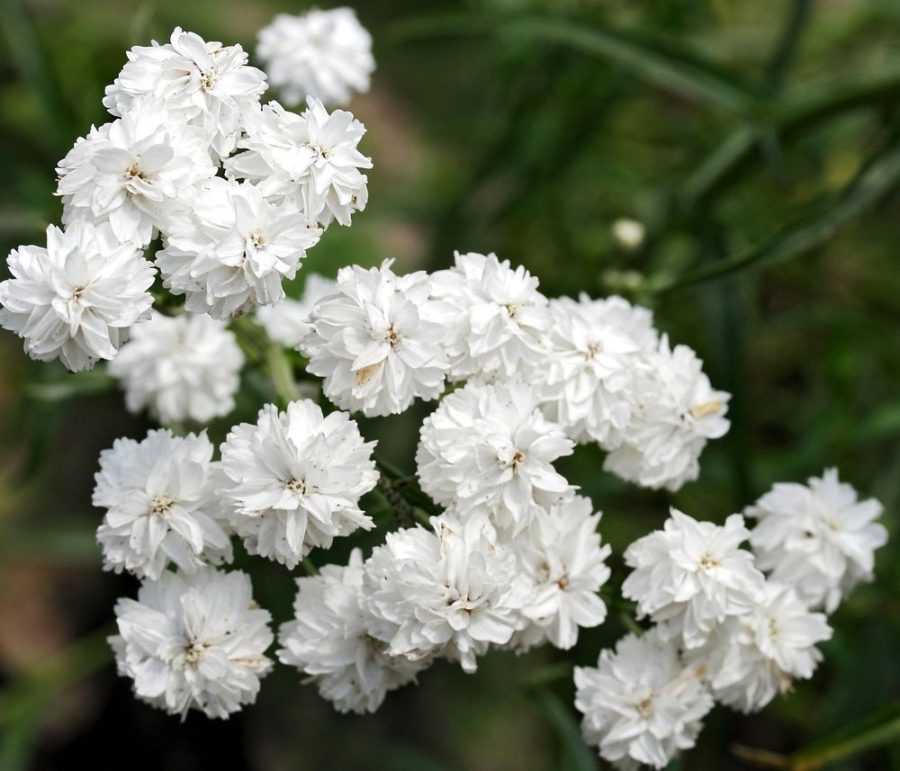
(759, 145)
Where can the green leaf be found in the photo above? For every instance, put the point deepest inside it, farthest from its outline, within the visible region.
(875, 181)
(655, 61)
(83, 384)
(816, 105)
(31, 59)
(877, 730)
(576, 756)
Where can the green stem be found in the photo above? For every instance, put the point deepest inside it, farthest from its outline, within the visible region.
(282, 374)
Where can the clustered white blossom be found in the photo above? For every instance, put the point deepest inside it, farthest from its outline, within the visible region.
(181, 110)
(325, 54)
(194, 642)
(723, 630)
(511, 558)
(179, 368)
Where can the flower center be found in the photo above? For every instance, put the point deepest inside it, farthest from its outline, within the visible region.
(258, 240)
(512, 309)
(134, 171)
(563, 583)
(76, 294)
(297, 486)
(392, 337)
(517, 459)
(161, 505)
(208, 80)
(645, 706)
(193, 652)
(708, 561)
(593, 349)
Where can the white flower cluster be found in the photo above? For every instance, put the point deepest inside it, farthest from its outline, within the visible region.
(237, 192)
(185, 113)
(449, 591)
(597, 369)
(725, 632)
(285, 485)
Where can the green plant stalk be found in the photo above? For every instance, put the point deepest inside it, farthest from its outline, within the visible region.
(874, 182)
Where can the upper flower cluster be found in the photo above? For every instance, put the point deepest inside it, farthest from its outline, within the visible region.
(237, 193)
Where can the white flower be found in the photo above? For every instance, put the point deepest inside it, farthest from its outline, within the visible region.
(232, 253)
(333, 640)
(495, 316)
(674, 412)
(592, 361)
(489, 446)
(325, 54)
(754, 656)
(160, 507)
(194, 642)
(452, 592)
(295, 479)
(137, 173)
(307, 160)
(819, 538)
(691, 576)
(179, 368)
(287, 322)
(640, 703)
(374, 342)
(75, 299)
(201, 84)
(561, 555)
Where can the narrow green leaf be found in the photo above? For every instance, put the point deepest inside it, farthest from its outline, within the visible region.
(655, 61)
(30, 57)
(815, 105)
(82, 384)
(576, 756)
(870, 186)
(877, 730)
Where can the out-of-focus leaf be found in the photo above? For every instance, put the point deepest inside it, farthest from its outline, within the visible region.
(576, 756)
(655, 61)
(82, 384)
(31, 59)
(870, 186)
(814, 106)
(877, 730)
(63, 543)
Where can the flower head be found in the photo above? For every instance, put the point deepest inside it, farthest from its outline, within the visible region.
(753, 657)
(374, 342)
(489, 447)
(136, 173)
(495, 317)
(325, 54)
(310, 161)
(561, 555)
(201, 84)
(194, 642)
(691, 576)
(674, 412)
(334, 640)
(160, 506)
(641, 704)
(75, 299)
(817, 538)
(449, 592)
(234, 250)
(179, 368)
(294, 480)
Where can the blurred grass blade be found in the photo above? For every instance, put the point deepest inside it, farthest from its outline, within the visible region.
(875, 181)
(83, 384)
(878, 730)
(655, 61)
(576, 756)
(741, 151)
(31, 59)
(785, 52)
